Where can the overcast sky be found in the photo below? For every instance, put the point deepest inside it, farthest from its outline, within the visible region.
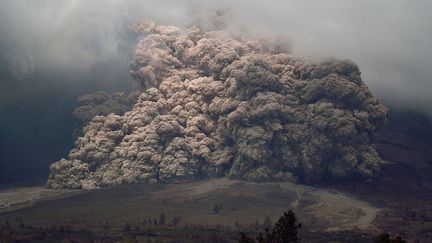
(389, 39)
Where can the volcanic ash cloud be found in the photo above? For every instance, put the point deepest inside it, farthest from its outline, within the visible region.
(213, 105)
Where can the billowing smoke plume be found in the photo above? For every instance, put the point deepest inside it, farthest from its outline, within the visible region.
(214, 105)
(102, 103)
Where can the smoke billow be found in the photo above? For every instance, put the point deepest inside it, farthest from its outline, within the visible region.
(53, 51)
(216, 105)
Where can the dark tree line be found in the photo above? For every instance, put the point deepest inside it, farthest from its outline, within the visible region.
(285, 230)
(385, 238)
(167, 229)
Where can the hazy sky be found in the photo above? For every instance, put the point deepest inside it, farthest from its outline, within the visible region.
(389, 39)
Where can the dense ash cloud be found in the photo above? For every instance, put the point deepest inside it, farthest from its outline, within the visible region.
(103, 104)
(217, 105)
(52, 51)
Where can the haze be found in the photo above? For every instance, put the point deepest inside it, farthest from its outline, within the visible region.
(388, 39)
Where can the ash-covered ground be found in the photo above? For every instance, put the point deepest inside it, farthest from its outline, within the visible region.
(213, 105)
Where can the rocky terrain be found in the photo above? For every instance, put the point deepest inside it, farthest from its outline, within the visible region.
(213, 105)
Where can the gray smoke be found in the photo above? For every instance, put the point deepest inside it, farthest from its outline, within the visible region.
(102, 104)
(86, 46)
(214, 105)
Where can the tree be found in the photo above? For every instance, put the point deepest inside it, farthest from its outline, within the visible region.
(137, 228)
(7, 225)
(176, 220)
(244, 238)
(385, 238)
(257, 225)
(267, 224)
(61, 229)
(162, 219)
(126, 227)
(261, 239)
(265, 237)
(105, 226)
(286, 229)
(217, 208)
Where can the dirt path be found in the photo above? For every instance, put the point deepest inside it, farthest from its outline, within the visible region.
(338, 208)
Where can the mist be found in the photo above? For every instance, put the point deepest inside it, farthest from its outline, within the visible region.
(388, 39)
(51, 52)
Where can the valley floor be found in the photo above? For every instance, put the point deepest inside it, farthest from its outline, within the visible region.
(210, 204)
